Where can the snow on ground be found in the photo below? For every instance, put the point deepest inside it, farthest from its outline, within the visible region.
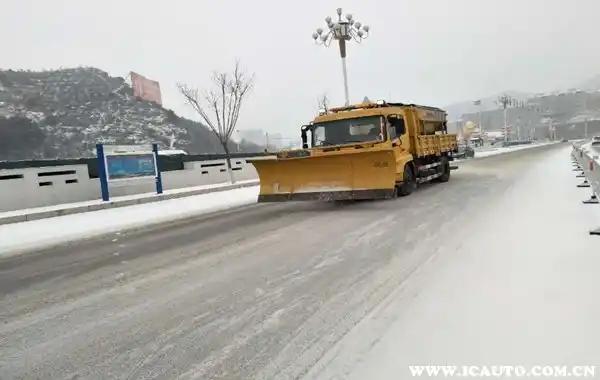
(518, 286)
(19, 237)
(493, 151)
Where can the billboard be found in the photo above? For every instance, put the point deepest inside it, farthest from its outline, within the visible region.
(130, 166)
(145, 88)
(126, 163)
(129, 161)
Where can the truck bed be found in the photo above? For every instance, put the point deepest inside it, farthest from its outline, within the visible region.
(427, 145)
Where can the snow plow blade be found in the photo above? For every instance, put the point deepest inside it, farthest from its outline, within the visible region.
(338, 175)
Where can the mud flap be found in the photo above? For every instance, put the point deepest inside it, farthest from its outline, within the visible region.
(339, 175)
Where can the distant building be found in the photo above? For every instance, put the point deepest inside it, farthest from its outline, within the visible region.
(255, 136)
(275, 140)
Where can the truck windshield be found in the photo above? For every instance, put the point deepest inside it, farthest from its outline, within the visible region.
(347, 131)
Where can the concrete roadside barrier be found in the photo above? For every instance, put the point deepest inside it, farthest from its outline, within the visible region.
(80, 207)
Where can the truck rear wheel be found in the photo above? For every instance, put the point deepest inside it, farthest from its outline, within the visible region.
(409, 182)
(445, 166)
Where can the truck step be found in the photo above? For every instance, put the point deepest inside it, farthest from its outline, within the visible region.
(428, 178)
(428, 166)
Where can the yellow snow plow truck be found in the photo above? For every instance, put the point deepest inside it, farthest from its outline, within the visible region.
(364, 151)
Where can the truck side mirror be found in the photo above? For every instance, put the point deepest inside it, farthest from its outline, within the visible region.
(398, 124)
(400, 129)
(304, 137)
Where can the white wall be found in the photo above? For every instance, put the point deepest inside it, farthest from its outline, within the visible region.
(27, 192)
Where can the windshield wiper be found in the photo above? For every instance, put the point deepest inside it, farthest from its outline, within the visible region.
(358, 141)
(326, 142)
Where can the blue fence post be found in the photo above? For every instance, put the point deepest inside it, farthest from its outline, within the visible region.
(102, 172)
(159, 188)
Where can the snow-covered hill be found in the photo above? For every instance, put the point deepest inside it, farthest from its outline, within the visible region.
(64, 113)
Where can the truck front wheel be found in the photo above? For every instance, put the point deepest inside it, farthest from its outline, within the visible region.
(409, 181)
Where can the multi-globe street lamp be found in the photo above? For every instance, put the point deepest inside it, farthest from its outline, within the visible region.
(341, 30)
(504, 101)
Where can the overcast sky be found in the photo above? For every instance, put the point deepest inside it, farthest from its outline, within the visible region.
(433, 52)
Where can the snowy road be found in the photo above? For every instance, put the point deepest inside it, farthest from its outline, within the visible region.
(477, 269)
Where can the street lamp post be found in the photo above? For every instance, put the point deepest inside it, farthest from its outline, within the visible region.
(342, 31)
(480, 123)
(478, 103)
(267, 140)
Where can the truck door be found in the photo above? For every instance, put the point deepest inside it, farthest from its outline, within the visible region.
(397, 133)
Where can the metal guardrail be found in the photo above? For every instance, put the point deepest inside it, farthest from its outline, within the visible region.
(517, 142)
(586, 163)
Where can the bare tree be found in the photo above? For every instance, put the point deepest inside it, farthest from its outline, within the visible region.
(323, 102)
(220, 106)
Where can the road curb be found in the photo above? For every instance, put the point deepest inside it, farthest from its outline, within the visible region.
(119, 203)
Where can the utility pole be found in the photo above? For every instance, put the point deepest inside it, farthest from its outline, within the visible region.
(505, 124)
(586, 128)
(478, 103)
(480, 123)
(504, 101)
